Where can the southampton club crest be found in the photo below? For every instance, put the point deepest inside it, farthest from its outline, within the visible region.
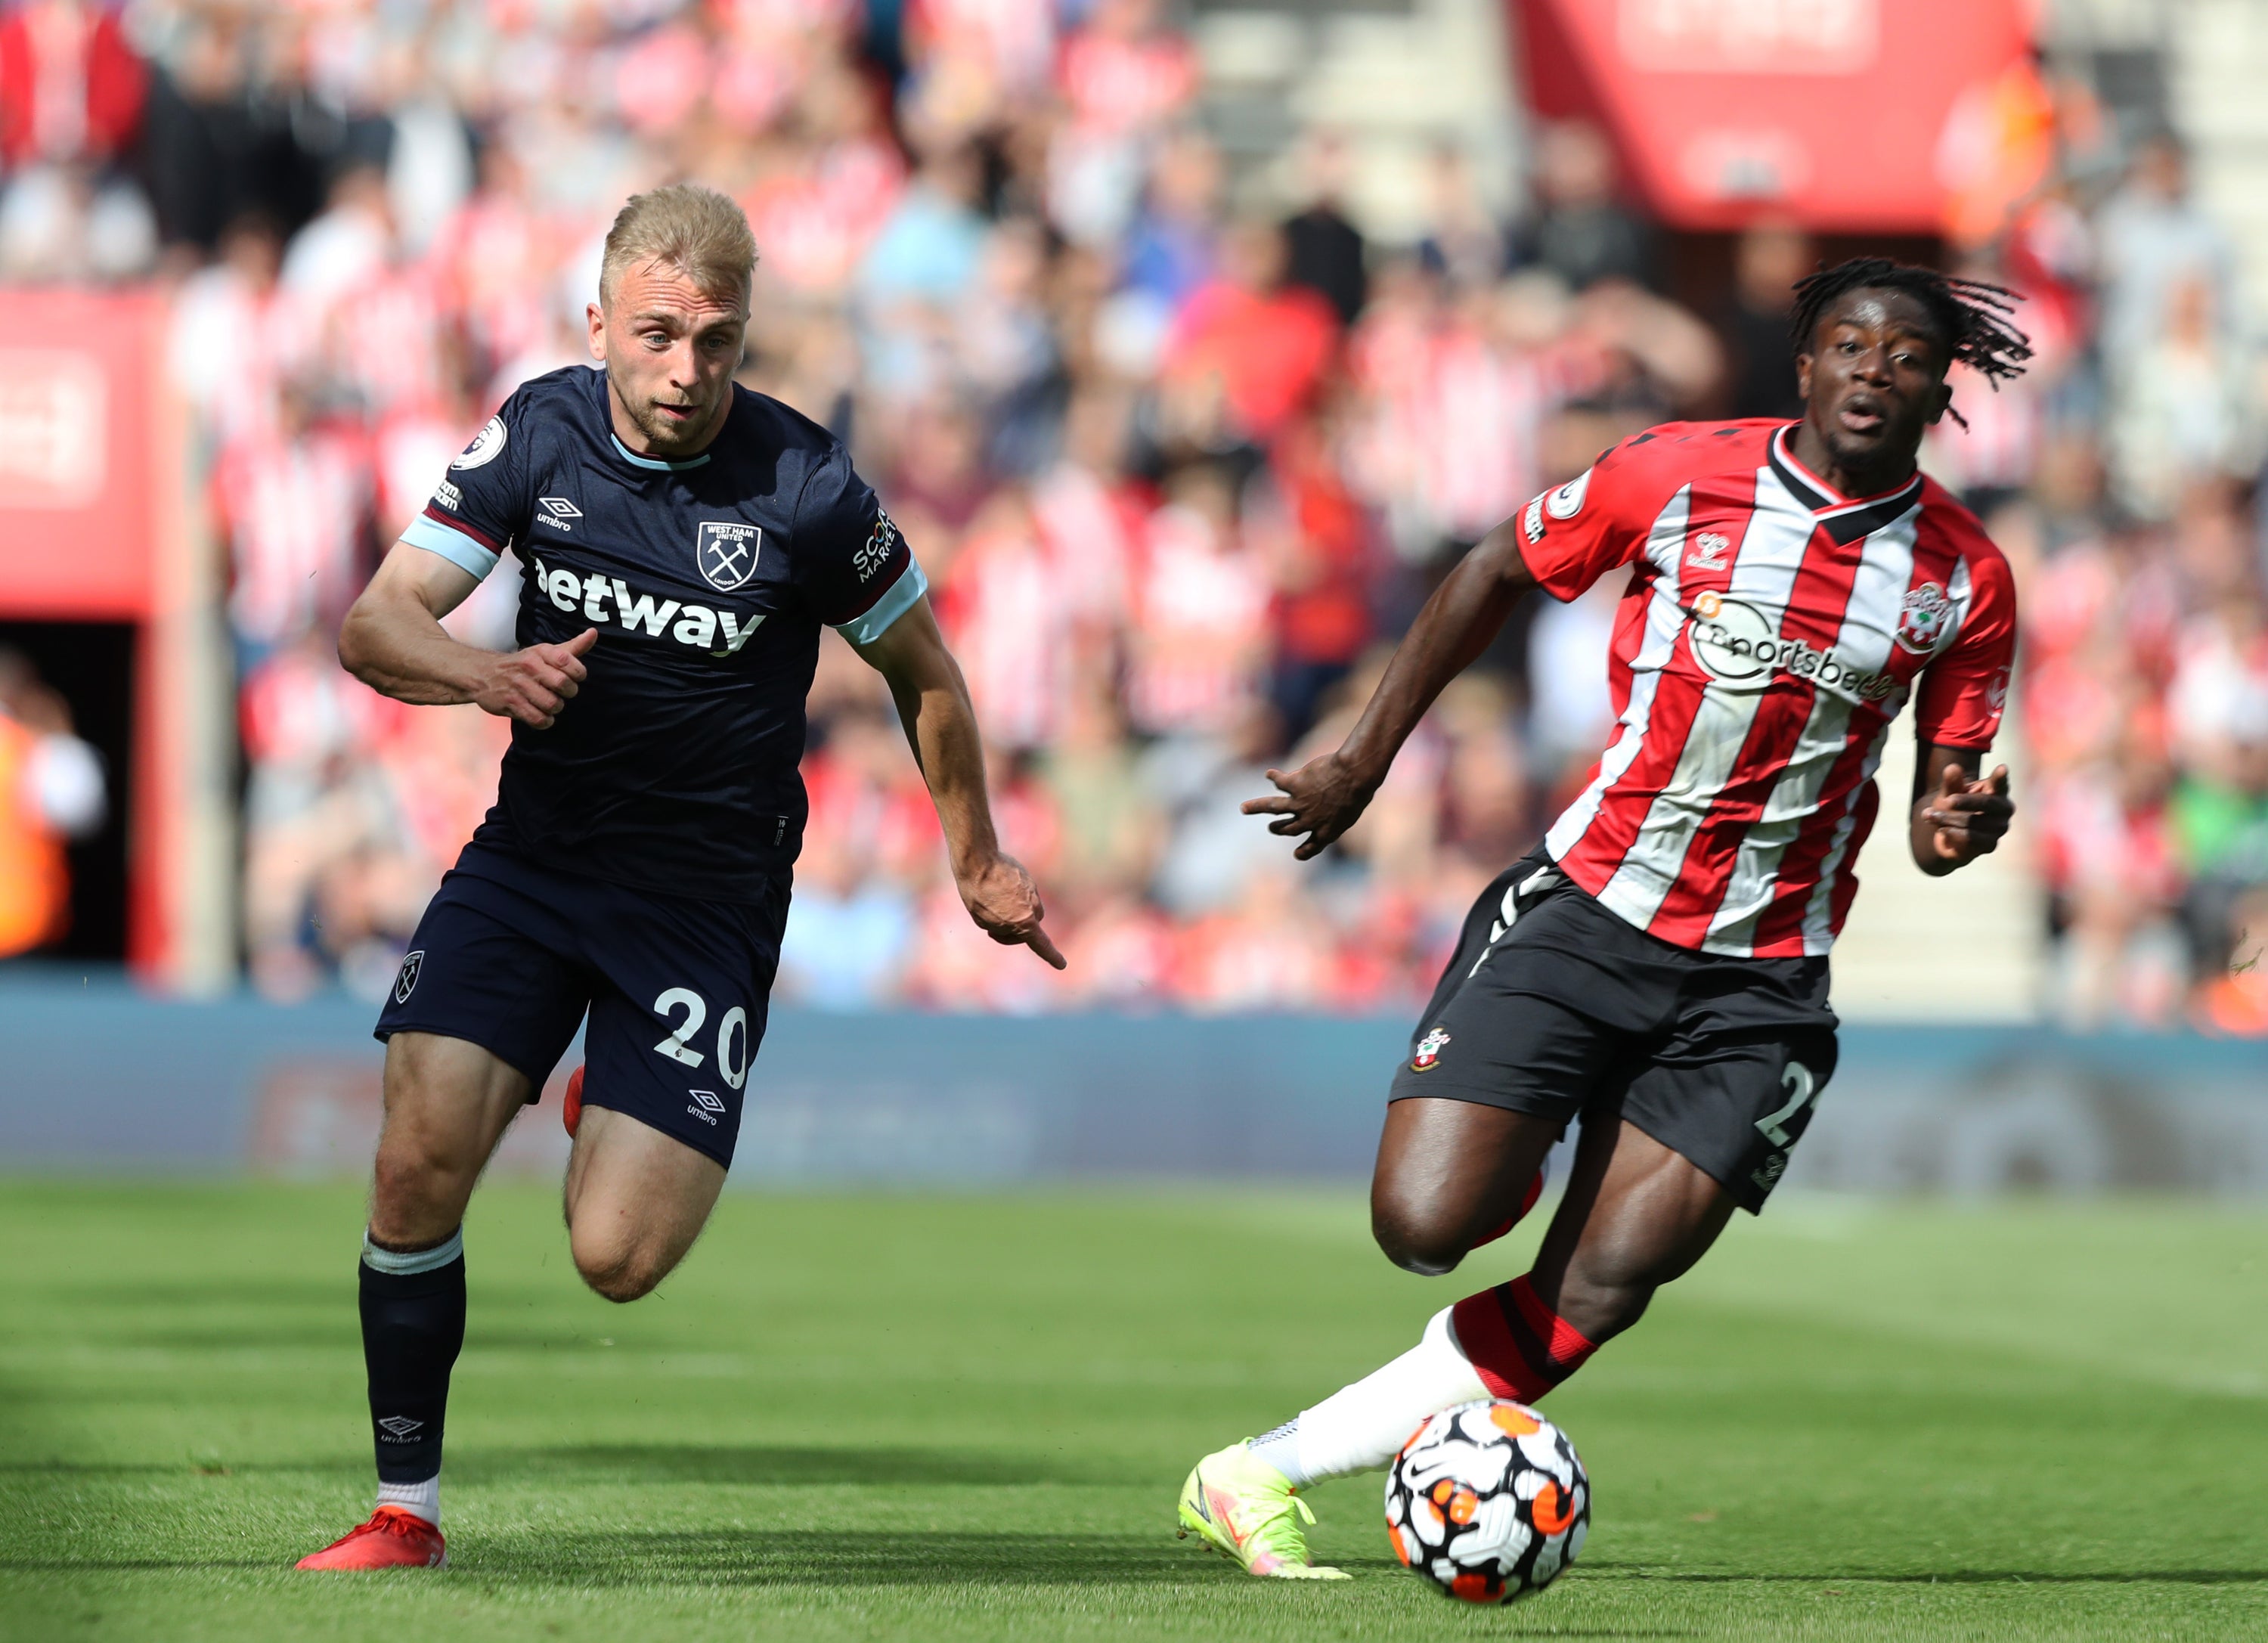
(1923, 618)
(1429, 1051)
(725, 551)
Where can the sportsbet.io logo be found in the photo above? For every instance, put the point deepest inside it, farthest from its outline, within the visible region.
(1734, 641)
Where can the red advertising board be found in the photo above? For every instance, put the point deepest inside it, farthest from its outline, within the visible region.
(1835, 113)
(81, 455)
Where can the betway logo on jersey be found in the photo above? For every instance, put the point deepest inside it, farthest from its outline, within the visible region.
(602, 600)
(1734, 641)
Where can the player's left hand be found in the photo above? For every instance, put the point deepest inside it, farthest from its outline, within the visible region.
(1003, 899)
(1967, 819)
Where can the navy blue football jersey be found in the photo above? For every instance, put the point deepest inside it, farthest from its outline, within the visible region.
(674, 767)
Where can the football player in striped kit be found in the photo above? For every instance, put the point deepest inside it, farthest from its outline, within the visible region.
(1659, 968)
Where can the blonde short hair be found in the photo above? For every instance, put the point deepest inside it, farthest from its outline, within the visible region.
(696, 230)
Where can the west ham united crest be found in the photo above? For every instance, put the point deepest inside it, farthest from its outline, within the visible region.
(406, 982)
(726, 550)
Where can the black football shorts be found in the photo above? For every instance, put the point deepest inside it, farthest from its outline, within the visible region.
(510, 955)
(1555, 1006)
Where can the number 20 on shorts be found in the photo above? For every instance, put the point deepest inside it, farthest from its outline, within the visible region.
(732, 1034)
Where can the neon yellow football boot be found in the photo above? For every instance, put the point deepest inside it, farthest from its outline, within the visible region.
(1244, 1508)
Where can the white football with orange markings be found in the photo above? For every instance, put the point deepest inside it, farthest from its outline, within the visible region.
(1488, 1500)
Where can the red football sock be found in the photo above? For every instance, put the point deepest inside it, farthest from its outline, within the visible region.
(1518, 1346)
(1526, 1203)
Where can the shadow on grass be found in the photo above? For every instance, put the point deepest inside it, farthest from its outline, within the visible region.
(750, 1465)
(768, 1466)
(1943, 1576)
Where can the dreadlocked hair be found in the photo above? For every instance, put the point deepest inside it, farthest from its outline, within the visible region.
(1971, 315)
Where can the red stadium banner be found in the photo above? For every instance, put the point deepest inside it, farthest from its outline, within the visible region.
(1846, 115)
(81, 438)
(95, 525)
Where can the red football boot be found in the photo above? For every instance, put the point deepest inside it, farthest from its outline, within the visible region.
(394, 1538)
(1526, 1203)
(570, 1108)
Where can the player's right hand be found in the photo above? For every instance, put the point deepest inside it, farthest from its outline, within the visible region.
(533, 684)
(1322, 799)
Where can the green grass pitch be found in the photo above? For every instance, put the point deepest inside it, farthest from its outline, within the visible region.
(949, 1417)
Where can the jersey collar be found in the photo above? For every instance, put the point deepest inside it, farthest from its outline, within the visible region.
(1844, 519)
(652, 463)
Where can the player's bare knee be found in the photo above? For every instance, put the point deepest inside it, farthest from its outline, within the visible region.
(617, 1273)
(1416, 1241)
(621, 1269)
(409, 1180)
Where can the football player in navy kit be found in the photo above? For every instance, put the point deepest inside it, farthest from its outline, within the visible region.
(684, 540)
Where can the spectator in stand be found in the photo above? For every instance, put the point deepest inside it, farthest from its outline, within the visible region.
(73, 91)
(1248, 352)
(293, 503)
(1169, 253)
(1318, 537)
(232, 338)
(1770, 256)
(71, 87)
(1124, 79)
(1112, 831)
(1000, 609)
(1579, 229)
(52, 792)
(2114, 880)
(922, 264)
(1199, 783)
(1325, 252)
(2182, 406)
(2219, 709)
(1465, 242)
(2150, 237)
(1198, 621)
(851, 932)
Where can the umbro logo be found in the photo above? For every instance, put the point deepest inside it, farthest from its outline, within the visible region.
(707, 1107)
(397, 1428)
(557, 512)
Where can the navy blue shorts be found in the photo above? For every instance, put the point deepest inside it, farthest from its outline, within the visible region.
(510, 955)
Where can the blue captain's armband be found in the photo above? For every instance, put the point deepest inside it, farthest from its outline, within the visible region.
(459, 548)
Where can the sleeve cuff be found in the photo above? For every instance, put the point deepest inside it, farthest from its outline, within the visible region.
(458, 549)
(909, 587)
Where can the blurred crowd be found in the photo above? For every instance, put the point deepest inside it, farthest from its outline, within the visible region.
(1182, 455)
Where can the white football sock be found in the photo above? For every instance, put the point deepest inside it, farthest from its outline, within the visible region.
(422, 1499)
(1361, 1427)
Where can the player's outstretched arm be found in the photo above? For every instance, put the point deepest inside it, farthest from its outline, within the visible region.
(1325, 796)
(940, 725)
(393, 642)
(1957, 817)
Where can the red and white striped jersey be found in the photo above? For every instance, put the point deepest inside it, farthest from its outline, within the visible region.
(1771, 633)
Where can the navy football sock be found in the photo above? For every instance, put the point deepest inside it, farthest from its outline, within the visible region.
(413, 1325)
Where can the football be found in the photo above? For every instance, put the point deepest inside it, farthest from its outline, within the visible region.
(1488, 1501)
